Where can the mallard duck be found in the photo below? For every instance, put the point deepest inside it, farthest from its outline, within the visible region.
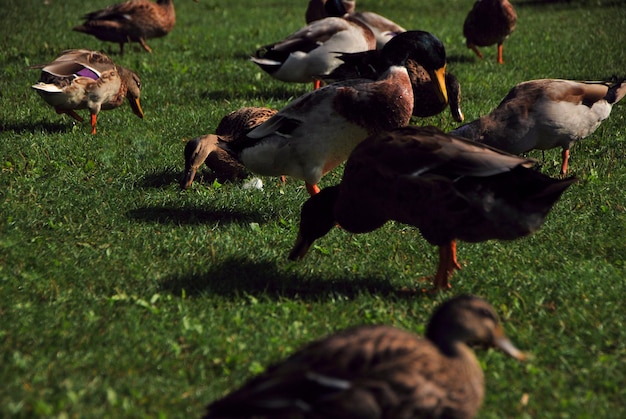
(84, 79)
(204, 149)
(131, 21)
(371, 64)
(383, 28)
(316, 132)
(426, 102)
(379, 371)
(313, 50)
(448, 187)
(544, 114)
(489, 22)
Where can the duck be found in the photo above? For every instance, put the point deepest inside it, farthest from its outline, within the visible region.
(313, 50)
(489, 22)
(380, 371)
(317, 131)
(130, 21)
(384, 29)
(85, 79)
(544, 114)
(204, 149)
(448, 187)
(370, 64)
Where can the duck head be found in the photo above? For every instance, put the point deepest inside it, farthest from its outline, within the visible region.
(472, 321)
(133, 84)
(426, 49)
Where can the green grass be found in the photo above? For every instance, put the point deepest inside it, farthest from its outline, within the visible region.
(122, 296)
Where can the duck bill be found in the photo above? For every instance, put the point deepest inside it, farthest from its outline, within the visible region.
(136, 107)
(439, 80)
(187, 179)
(505, 345)
(300, 248)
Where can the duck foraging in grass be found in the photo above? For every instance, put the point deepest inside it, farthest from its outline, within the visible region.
(380, 372)
(448, 187)
(84, 79)
(544, 114)
(131, 21)
(489, 22)
(316, 132)
(204, 149)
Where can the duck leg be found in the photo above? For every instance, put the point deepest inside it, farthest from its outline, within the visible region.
(312, 189)
(94, 118)
(500, 60)
(565, 159)
(70, 112)
(447, 265)
(476, 51)
(144, 45)
(317, 84)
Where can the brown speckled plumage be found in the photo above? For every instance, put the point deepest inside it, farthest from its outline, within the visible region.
(379, 372)
(448, 187)
(489, 22)
(131, 21)
(204, 149)
(84, 79)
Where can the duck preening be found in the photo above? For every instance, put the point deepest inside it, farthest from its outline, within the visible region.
(316, 132)
(380, 371)
(446, 186)
(544, 114)
(84, 79)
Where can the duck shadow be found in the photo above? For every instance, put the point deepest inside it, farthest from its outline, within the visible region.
(237, 276)
(161, 179)
(460, 58)
(192, 216)
(35, 127)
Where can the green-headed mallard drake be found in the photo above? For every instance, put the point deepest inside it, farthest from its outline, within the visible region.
(489, 22)
(544, 114)
(379, 371)
(131, 21)
(84, 79)
(371, 64)
(448, 187)
(316, 132)
(204, 149)
(313, 50)
(383, 28)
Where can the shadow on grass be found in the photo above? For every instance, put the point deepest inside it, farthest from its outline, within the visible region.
(191, 216)
(237, 276)
(461, 58)
(162, 179)
(35, 127)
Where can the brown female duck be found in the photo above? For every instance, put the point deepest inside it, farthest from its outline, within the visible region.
(204, 149)
(489, 22)
(544, 114)
(131, 21)
(379, 372)
(448, 187)
(84, 79)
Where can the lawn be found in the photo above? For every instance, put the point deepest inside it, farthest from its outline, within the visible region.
(123, 296)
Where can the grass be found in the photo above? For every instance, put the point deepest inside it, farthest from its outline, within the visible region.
(121, 296)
